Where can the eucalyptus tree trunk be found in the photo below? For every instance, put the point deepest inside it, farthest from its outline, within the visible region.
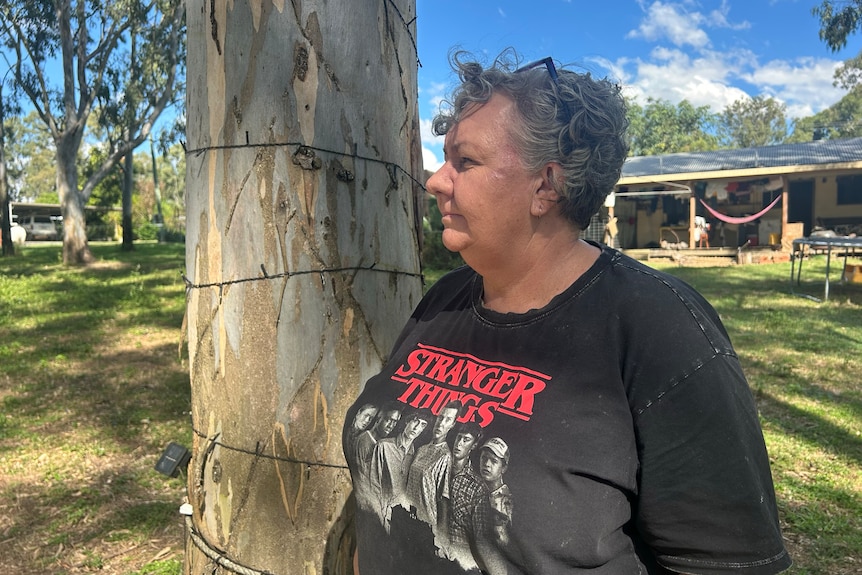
(128, 187)
(6, 247)
(76, 248)
(303, 157)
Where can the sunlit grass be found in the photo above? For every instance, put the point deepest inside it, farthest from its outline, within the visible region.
(804, 362)
(92, 388)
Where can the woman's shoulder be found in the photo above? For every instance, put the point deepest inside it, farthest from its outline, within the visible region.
(651, 299)
(644, 281)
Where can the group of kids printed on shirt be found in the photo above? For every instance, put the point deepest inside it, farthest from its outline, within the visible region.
(467, 504)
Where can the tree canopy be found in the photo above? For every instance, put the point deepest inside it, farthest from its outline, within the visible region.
(121, 61)
(659, 127)
(841, 120)
(758, 121)
(838, 21)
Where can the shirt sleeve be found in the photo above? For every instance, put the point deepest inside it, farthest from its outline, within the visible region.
(706, 503)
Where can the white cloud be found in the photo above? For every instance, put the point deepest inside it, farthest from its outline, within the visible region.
(673, 75)
(708, 79)
(683, 64)
(719, 18)
(671, 22)
(429, 160)
(428, 137)
(804, 84)
(431, 146)
(434, 94)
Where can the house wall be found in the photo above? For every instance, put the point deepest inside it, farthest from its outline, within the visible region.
(648, 226)
(826, 198)
(649, 217)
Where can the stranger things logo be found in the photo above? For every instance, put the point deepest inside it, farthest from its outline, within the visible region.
(432, 377)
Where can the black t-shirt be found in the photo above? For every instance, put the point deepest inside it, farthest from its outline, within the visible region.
(619, 436)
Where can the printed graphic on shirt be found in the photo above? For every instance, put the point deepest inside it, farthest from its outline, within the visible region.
(433, 376)
(453, 483)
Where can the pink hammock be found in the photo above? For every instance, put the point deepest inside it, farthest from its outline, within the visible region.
(744, 219)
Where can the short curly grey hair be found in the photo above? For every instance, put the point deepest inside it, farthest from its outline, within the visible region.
(577, 121)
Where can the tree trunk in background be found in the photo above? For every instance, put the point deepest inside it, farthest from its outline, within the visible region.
(76, 248)
(128, 187)
(301, 255)
(6, 247)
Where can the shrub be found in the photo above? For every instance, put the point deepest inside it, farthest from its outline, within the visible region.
(435, 255)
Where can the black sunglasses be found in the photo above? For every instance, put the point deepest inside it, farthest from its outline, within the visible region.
(546, 62)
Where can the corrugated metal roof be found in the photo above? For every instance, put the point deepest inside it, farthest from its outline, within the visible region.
(805, 153)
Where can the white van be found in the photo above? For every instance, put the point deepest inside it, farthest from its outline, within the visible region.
(39, 227)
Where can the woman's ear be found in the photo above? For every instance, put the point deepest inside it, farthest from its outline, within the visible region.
(546, 196)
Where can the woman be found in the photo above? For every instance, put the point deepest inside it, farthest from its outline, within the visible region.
(633, 444)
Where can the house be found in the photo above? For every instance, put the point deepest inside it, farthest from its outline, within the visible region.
(755, 196)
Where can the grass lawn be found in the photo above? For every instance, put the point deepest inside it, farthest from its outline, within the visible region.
(804, 363)
(94, 383)
(92, 388)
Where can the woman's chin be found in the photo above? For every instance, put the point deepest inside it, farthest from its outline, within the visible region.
(453, 241)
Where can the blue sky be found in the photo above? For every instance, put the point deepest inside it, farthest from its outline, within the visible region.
(709, 52)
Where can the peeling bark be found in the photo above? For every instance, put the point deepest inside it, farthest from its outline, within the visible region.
(302, 247)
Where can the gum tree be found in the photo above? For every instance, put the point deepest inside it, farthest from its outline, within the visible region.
(840, 19)
(302, 263)
(86, 44)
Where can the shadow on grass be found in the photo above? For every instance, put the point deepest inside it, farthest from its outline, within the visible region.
(821, 533)
(133, 390)
(92, 387)
(812, 428)
(65, 320)
(113, 507)
(764, 281)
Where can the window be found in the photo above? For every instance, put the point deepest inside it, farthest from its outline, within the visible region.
(768, 196)
(849, 189)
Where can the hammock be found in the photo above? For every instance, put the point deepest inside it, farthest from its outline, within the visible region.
(744, 219)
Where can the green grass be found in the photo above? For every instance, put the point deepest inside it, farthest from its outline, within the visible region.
(92, 387)
(804, 363)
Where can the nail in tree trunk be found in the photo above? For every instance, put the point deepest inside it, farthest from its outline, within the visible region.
(302, 257)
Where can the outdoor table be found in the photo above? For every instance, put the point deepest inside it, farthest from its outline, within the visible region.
(849, 245)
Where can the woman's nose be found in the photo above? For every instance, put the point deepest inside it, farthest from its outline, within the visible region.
(440, 182)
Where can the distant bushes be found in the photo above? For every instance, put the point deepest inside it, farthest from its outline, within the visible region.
(151, 231)
(435, 255)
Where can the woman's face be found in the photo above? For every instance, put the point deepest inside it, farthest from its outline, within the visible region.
(482, 190)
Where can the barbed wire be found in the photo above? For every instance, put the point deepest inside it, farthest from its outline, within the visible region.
(218, 556)
(259, 453)
(302, 149)
(407, 27)
(286, 275)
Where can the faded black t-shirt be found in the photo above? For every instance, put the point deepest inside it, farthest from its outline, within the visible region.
(618, 436)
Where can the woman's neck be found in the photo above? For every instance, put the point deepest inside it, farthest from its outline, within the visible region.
(533, 280)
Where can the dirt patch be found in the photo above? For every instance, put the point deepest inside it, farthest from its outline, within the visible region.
(108, 265)
(78, 489)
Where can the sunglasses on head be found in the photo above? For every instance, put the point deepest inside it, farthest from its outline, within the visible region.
(546, 62)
